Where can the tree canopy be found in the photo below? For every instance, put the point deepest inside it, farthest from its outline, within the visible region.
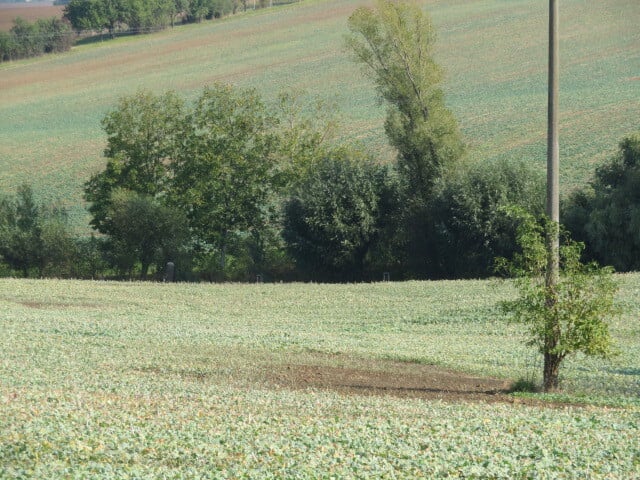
(223, 173)
(394, 42)
(144, 134)
(606, 214)
(576, 321)
(333, 221)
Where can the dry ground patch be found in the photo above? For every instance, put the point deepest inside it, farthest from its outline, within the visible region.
(27, 11)
(389, 378)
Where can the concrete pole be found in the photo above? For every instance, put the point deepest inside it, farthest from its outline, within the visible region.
(551, 359)
(553, 149)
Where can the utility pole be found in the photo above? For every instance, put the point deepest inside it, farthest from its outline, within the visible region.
(553, 152)
(553, 149)
(551, 360)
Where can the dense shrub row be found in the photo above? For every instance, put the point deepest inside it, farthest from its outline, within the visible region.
(27, 39)
(300, 210)
(143, 16)
(230, 188)
(93, 17)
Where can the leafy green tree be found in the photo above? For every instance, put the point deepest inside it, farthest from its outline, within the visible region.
(145, 15)
(59, 247)
(305, 134)
(394, 42)
(27, 38)
(57, 35)
(85, 15)
(8, 47)
(471, 226)
(21, 232)
(143, 231)
(606, 215)
(32, 39)
(144, 135)
(89, 261)
(332, 222)
(97, 15)
(198, 10)
(223, 175)
(576, 321)
(113, 14)
(34, 239)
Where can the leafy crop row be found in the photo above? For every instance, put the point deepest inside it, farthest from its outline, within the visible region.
(133, 380)
(237, 433)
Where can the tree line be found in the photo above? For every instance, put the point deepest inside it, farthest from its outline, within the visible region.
(93, 17)
(229, 187)
(144, 16)
(26, 39)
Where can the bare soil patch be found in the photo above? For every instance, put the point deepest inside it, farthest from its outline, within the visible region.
(27, 11)
(392, 378)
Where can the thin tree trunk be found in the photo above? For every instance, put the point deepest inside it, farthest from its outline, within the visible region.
(551, 371)
(223, 253)
(144, 270)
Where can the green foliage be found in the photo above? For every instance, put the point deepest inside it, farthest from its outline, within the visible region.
(27, 39)
(471, 226)
(223, 175)
(51, 109)
(334, 220)
(144, 134)
(55, 35)
(305, 133)
(98, 15)
(140, 16)
(34, 239)
(143, 230)
(606, 215)
(224, 163)
(84, 15)
(21, 232)
(395, 43)
(118, 353)
(7, 47)
(573, 316)
(90, 261)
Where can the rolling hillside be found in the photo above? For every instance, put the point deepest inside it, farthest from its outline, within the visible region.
(494, 52)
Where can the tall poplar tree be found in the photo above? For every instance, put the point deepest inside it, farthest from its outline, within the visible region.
(394, 42)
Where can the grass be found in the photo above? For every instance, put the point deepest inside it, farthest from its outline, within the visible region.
(493, 51)
(123, 380)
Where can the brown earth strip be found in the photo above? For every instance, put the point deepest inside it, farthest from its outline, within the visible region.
(27, 11)
(406, 380)
(396, 379)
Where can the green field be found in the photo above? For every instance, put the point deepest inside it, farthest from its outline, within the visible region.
(494, 52)
(139, 380)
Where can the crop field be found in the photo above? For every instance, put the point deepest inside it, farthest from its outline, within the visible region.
(27, 11)
(140, 380)
(494, 53)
